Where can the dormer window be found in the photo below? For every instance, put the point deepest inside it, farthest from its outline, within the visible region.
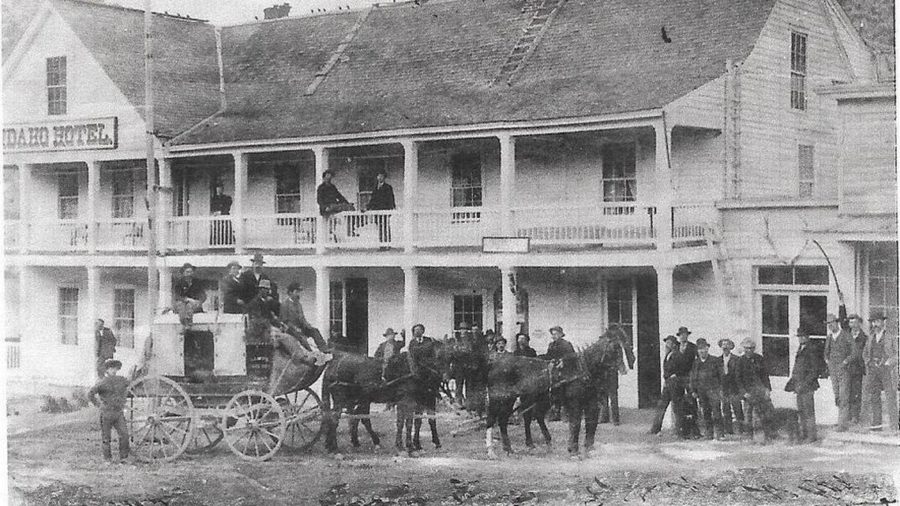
(56, 85)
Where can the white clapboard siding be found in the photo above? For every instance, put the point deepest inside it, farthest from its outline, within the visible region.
(868, 161)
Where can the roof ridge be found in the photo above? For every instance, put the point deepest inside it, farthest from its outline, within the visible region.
(92, 3)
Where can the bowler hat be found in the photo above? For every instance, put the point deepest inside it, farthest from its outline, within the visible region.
(723, 342)
(877, 315)
(702, 343)
(671, 338)
(389, 332)
(831, 318)
(258, 258)
(854, 316)
(112, 363)
(264, 283)
(233, 263)
(558, 329)
(683, 330)
(187, 265)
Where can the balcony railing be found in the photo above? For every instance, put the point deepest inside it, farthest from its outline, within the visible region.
(122, 234)
(603, 224)
(200, 232)
(280, 231)
(13, 353)
(59, 235)
(11, 234)
(371, 229)
(690, 222)
(456, 227)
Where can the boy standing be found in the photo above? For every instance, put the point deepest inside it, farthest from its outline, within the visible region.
(112, 390)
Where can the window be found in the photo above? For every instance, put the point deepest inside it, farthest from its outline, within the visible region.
(807, 168)
(68, 196)
(798, 71)
(619, 180)
(776, 335)
(67, 313)
(468, 308)
(336, 306)
(287, 188)
(123, 316)
(56, 85)
(123, 194)
(466, 180)
(796, 275)
(619, 304)
(883, 280)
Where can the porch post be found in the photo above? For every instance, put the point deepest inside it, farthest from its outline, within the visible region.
(665, 294)
(165, 288)
(323, 292)
(24, 206)
(93, 189)
(410, 297)
(93, 275)
(508, 301)
(240, 196)
(25, 311)
(664, 189)
(164, 206)
(410, 182)
(321, 155)
(507, 181)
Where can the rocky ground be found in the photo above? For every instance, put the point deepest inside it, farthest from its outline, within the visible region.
(59, 464)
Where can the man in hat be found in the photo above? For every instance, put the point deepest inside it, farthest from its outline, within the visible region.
(382, 199)
(609, 366)
(804, 382)
(231, 291)
(673, 389)
(250, 279)
(731, 395)
(880, 356)
(112, 390)
(706, 388)
(687, 356)
(388, 348)
(188, 294)
(328, 197)
(754, 385)
(422, 356)
(855, 367)
(105, 345)
(523, 346)
(559, 348)
(292, 315)
(837, 340)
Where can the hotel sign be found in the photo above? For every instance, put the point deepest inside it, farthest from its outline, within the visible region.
(63, 135)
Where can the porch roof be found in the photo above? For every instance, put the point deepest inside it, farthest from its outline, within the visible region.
(859, 228)
(412, 66)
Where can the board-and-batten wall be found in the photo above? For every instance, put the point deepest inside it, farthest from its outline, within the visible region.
(770, 129)
(869, 178)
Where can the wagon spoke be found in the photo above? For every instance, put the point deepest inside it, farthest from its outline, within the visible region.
(264, 442)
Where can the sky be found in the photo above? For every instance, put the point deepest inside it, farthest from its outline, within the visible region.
(224, 12)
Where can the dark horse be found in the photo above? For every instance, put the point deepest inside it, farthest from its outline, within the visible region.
(353, 382)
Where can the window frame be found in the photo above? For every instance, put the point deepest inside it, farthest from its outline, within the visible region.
(293, 199)
(337, 306)
(129, 196)
(64, 201)
(56, 83)
(475, 311)
(610, 299)
(62, 318)
(471, 191)
(806, 175)
(628, 181)
(125, 337)
(799, 69)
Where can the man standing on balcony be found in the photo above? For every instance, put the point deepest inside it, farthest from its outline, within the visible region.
(330, 201)
(382, 200)
(220, 233)
(231, 293)
(106, 346)
(189, 295)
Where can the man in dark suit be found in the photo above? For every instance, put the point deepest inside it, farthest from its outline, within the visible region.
(673, 388)
(189, 294)
(328, 197)
(388, 348)
(250, 279)
(855, 368)
(382, 200)
(731, 395)
(706, 388)
(559, 348)
(523, 348)
(611, 351)
(688, 353)
(291, 313)
(804, 382)
(754, 385)
(231, 291)
(880, 357)
(835, 327)
(423, 364)
(106, 346)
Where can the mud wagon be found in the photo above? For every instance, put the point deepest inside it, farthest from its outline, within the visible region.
(210, 383)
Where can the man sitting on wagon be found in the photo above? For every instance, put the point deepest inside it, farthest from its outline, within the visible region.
(265, 328)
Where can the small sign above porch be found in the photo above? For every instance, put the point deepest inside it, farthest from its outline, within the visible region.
(62, 135)
(505, 244)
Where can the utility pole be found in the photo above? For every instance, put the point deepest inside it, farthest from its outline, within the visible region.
(152, 186)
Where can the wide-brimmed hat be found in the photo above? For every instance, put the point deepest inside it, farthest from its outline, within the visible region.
(264, 283)
(831, 318)
(748, 342)
(233, 263)
(257, 258)
(558, 329)
(723, 342)
(702, 343)
(672, 338)
(187, 265)
(389, 332)
(112, 363)
(683, 330)
(877, 315)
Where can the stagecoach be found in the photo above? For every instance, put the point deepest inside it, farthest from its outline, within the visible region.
(209, 383)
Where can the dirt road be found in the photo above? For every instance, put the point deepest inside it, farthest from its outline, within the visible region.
(62, 465)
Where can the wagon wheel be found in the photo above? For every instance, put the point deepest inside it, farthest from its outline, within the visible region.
(254, 425)
(207, 434)
(160, 418)
(304, 418)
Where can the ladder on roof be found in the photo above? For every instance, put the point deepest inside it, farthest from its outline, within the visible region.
(541, 17)
(322, 73)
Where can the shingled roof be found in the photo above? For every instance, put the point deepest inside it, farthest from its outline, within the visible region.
(186, 71)
(432, 65)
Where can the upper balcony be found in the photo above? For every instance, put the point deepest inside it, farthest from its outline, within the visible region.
(589, 190)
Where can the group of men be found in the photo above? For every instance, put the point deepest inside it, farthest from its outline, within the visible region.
(331, 202)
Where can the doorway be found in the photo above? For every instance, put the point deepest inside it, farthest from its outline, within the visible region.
(357, 313)
(649, 381)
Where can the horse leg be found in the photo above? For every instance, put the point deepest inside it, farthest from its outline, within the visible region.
(417, 421)
(540, 414)
(409, 414)
(401, 422)
(526, 420)
(591, 415)
(365, 409)
(573, 413)
(353, 422)
(332, 418)
(489, 430)
(504, 422)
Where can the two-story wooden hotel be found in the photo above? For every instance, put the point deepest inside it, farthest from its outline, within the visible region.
(669, 162)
